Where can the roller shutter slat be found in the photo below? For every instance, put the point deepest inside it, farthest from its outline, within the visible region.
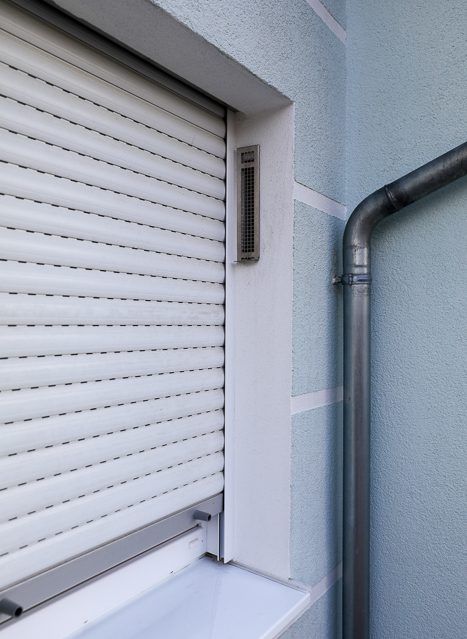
(46, 249)
(32, 528)
(103, 66)
(162, 92)
(32, 60)
(112, 229)
(24, 310)
(20, 341)
(55, 280)
(47, 128)
(33, 154)
(36, 216)
(43, 371)
(55, 490)
(54, 550)
(46, 463)
(39, 433)
(55, 400)
(34, 92)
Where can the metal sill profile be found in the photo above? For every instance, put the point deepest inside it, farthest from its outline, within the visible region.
(41, 588)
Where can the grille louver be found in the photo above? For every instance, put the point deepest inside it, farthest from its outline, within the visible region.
(248, 204)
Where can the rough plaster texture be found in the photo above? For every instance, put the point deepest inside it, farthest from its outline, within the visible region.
(288, 46)
(321, 621)
(407, 103)
(316, 493)
(337, 9)
(317, 318)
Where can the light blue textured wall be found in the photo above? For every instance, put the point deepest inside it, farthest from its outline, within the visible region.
(317, 317)
(285, 44)
(407, 103)
(337, 9)
(316, 493)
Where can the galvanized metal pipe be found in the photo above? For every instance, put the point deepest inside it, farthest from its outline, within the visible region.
(357, 281)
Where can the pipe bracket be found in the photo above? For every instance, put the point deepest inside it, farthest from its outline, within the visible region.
(352, 279)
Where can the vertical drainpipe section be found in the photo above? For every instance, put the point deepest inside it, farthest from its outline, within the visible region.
(357, 284)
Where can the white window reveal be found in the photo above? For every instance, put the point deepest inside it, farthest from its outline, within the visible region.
(111, 311)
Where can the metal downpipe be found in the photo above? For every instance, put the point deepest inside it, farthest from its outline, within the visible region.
(357, 283)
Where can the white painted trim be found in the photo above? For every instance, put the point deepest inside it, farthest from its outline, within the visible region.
(259, 356)
(328, 19)
(68, 615)
(326, 583)
(319, 201)
(317, 399)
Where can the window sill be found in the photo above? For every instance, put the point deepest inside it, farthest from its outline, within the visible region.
(207, 600)
(204, 600)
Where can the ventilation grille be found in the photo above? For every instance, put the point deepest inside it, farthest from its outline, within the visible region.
(248, 203)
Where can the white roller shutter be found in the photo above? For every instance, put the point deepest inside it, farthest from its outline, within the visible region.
(111, 299)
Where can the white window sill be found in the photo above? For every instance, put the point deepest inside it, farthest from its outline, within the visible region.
(145, 600)
(207, 600)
